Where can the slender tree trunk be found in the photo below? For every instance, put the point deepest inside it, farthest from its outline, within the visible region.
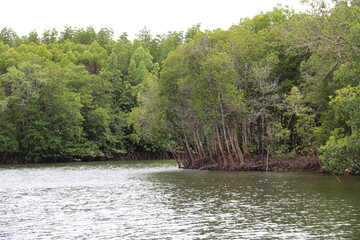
(263, 126)
(199, 154)
(233, 148)
(188, 152)
(244, 128)
(267, 158)
(177, 157)
(237, 146)
(211, 148)
(221, 148)
(200, 146)
(229, 155)
(260, 137)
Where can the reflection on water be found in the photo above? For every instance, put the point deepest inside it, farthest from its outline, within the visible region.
(155, 200)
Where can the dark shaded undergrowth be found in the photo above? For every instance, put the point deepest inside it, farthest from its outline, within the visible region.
(17, 158)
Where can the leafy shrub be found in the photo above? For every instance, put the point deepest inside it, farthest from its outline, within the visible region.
(342, 155)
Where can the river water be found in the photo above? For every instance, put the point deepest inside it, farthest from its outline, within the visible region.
(156, 200)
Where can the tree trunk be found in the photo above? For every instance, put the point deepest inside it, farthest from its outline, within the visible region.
(237, 146)
(221, 148)
(188, 152)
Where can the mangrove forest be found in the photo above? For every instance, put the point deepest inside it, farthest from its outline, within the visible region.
(282, 85)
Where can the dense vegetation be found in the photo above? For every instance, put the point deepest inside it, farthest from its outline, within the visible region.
(281, 83)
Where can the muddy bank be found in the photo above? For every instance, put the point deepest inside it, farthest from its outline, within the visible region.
(278, 164)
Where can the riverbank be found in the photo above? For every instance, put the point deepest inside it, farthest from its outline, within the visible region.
(17, 158)
(254, 163)
(276, 164)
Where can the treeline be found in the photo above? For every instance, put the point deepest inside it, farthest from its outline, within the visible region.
(69, 94)
(281, 83)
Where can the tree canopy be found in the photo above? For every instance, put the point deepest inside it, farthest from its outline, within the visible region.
(278, 84)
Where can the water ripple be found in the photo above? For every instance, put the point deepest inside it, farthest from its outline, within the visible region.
(155, 200)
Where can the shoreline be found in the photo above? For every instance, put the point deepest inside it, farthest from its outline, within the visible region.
(13, 159)
(274, 164)
(256, 163)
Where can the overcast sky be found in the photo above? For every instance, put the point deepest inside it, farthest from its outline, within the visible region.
(130, 16)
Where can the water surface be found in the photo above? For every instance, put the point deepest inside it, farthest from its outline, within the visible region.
(155, 200)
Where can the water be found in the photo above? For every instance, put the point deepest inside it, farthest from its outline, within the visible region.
(155, 200)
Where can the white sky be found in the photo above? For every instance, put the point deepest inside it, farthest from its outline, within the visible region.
(159, 16)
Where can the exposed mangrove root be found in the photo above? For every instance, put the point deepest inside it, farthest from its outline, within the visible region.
(296, 163)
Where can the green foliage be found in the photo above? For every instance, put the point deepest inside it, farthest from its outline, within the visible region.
(8, 134)
(54, 123)
(8, 36)
(140, 66)
(52, 108)
(264, 86)
(191, 32)
(346, 105)
(49, 36)
(148, 121)
(341, 153)
(305, 126)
